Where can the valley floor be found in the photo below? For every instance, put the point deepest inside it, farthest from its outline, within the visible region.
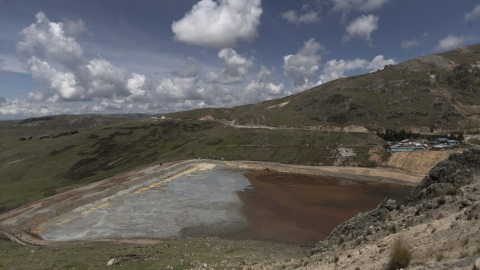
(441, 235)
(27, 218)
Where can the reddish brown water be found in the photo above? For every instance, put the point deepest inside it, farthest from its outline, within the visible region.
(303, 209)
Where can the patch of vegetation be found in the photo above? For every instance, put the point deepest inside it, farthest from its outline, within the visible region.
(64, 133)
(401, 254)
(93, 137)
(178, 254)
(464, 253)
(451, 190)
(392, 229)
(66, 148)
(440, 256)
(441, 200)
(36, 119)
(341, 240)
(49, 193)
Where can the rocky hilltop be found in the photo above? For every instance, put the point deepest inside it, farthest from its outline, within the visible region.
(438, 226)
(434, 93)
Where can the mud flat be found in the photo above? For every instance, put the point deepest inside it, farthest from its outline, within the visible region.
(383, 175)
(235, 209)
(202, 202)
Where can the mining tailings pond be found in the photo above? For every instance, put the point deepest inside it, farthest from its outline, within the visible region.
(220, 201)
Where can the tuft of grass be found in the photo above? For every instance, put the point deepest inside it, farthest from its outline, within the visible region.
(441, 200)
(451, 190)
(335, 259)
(440, 256)
(341, 240)
(392, 229)
(464, 253)
(50, 193)
(368, 232)
(465, 242)
(401, 254)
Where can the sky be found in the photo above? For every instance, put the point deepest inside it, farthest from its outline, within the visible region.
(160, 56)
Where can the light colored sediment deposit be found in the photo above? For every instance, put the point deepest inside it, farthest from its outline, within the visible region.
(171, 208)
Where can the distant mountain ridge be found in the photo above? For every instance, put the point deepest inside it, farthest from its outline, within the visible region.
(432, 93)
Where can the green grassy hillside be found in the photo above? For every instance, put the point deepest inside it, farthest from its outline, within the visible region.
(36, 167)
(431, 93)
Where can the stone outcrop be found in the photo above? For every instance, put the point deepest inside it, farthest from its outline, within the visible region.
(357, 226)
(450, 173)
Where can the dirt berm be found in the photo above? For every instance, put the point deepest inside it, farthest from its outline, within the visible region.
(419, 162)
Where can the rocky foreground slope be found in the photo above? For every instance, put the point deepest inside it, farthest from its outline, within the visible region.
(439, 224)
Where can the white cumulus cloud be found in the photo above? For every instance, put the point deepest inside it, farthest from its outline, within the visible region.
(63, 83)
(334, 69)
(135, 86)
(410, 43)
(361, 5)
(46, 39)
(18, 109)
(362, 27)
(178, 89)
(56, 62)
(347, 6)
(263, 86)
(303, 66)
(307, 16)
(414, 42)
(379, 62)
(182, 87)
(219, 24)
(75, 28)
(451, 42)
(192, 69)
(235, 71)
(473, 15)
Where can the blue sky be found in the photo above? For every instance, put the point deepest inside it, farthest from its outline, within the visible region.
(122, 56)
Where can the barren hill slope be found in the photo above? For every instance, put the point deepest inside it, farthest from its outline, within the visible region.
(438, 92)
